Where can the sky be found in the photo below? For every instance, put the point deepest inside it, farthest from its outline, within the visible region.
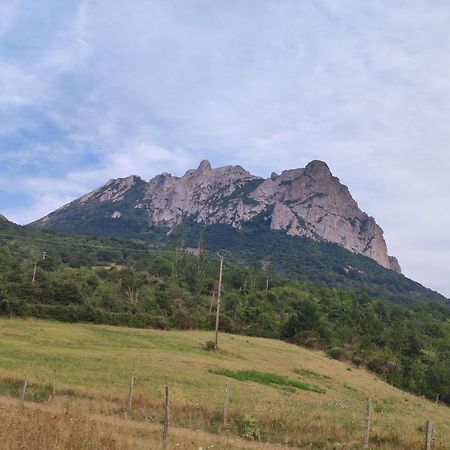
(93, 89)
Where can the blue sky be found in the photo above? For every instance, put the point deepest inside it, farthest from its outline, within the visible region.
(92, 90)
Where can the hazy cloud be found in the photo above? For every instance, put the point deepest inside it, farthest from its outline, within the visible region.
(93, 90)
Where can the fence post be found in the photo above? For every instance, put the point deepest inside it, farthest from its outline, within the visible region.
(24, 390)
(367, 423)
(166, 417)
(225, 402)
(54, 384)
(130, 393)
(429, 435)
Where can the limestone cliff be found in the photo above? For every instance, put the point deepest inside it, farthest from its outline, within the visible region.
(308, 202)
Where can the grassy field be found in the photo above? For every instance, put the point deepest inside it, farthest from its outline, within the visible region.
(270, 395)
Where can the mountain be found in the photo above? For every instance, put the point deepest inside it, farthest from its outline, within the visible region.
(308, 202)
(6, 224)
(4, 219)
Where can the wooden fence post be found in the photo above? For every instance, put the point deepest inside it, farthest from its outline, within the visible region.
(166, 417)
(54, 385)
(225, 402)
(130, 393)
(24, 390)
(367, 423)
(429, 435)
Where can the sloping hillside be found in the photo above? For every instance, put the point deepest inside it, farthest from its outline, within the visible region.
(94, 363)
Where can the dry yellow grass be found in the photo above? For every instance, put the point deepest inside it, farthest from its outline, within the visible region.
(50, 428)
(94, 363)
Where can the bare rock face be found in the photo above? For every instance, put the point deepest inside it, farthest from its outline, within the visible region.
(204, 193)
(308, 202)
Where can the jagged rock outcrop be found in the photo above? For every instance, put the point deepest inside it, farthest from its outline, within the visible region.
(308, 202)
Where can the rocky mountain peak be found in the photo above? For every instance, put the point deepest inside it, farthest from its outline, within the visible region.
(318, 170)
(307, 201)
(204, 166)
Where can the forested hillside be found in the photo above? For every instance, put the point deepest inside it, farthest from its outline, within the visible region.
(121, 282)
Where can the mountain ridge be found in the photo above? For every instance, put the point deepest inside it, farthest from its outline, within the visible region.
(308, 202)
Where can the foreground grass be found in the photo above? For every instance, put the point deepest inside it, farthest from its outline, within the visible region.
(94, 363)
(51, 428)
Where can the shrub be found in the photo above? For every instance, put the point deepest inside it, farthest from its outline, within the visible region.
(337, 353)
(248, 428)
(357, 361)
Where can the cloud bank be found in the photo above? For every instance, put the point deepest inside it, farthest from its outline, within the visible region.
(92, 90)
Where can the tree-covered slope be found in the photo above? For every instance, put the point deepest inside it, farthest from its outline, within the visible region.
(297, 257)
(303, 259)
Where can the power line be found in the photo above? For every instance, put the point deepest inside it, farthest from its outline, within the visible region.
(101, 247)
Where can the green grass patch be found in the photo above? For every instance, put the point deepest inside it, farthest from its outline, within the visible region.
(35, 392)
(311, 373)
(267, 378)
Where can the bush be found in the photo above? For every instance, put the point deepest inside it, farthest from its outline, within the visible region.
(337, 353)
(248, 428)
(210, 345)
(357, 361)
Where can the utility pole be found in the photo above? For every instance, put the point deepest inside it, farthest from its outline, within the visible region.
(44, 255)
(221, 254)
(34, 274)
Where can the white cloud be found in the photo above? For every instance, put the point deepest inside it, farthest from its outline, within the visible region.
(101, 89)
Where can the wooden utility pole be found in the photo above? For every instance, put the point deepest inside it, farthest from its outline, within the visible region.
(367, 423)
(166, 417)
(34, 274)
(225, 402)
(221, 254)
(429, 435)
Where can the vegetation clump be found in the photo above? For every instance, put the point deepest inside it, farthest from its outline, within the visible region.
(248, 428)
(267, 378)
(337, 353)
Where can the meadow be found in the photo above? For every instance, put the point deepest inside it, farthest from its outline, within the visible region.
(281, 395)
